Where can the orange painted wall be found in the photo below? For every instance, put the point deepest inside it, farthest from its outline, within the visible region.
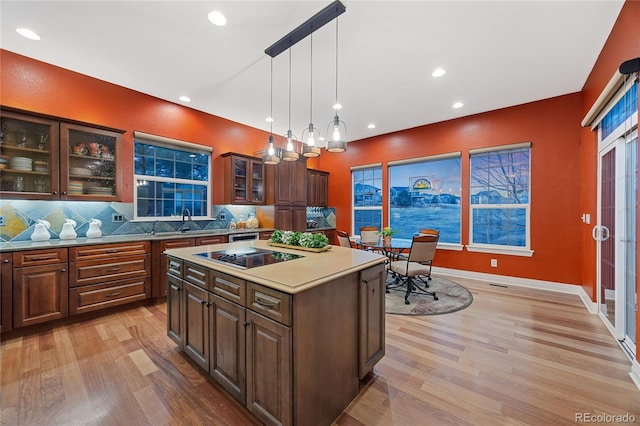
(622, 44)
(553, 127)
(36, 86)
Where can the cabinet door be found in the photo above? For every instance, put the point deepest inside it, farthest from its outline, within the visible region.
(269, 370)
(29, 155)
(322, 190)
(6, 291)
(371, 323)
(40, 294)
(227, 335)
(291, 218)
(89, 163)
(312, 188)
(160, 271)
(196, 324)
(175, 310)
(244, 179)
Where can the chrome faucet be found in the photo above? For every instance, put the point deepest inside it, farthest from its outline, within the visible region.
(183, 227)
(153, 227)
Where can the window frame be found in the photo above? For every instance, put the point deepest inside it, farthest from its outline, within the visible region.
(175, 145)
(354, 208)
(500, 248)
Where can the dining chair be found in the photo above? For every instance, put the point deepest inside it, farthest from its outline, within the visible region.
(412, 270)
(369, 234)
(429, 231)
(343, 238)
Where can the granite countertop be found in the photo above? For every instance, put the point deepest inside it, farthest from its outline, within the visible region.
(83, 241)
(293, 276)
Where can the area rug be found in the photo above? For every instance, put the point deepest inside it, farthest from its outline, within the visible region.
(452, 297)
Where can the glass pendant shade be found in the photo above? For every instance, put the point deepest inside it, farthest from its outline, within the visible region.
(309, 137)
(290, 153)
(338, 134)
(271, 156)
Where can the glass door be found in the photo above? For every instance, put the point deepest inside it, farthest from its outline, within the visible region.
(616, 236)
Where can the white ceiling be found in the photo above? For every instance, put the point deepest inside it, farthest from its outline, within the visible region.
(496, 53)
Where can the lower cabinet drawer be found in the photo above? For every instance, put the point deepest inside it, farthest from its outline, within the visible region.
(99, 271)
(270, 303)
(100, 296)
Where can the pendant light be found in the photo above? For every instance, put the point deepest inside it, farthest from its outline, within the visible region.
(270, 156)
(337, 129)
(290, 154)
(310, 134)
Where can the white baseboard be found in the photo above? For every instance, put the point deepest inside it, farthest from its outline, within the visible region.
(523, 282)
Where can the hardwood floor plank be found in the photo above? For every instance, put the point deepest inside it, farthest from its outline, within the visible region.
(515, 356)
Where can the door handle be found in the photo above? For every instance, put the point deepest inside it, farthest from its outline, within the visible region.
(595, 233)
(605, 233)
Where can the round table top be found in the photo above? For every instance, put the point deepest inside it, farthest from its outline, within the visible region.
(396, 243)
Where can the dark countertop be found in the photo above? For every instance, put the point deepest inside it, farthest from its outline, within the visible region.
(83, 241)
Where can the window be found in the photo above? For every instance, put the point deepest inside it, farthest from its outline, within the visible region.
(170, 176)
(499, 199)
(367, 197)
(425, 193)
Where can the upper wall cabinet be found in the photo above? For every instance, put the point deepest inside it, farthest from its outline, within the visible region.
(42, 158)
(243, 179)
(317, 188)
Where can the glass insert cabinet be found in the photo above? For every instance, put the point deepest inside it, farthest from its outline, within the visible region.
(45, 158)
(244, 179)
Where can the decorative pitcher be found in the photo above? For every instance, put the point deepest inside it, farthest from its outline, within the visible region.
(41, 231)
(68, 230)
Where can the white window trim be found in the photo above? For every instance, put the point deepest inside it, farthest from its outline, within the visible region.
(162, 141)
(355, 232)
(495, 248)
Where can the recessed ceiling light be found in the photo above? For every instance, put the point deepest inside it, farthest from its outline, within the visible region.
(438, 72)
(458, 105)
(371, 126)
(185, 98)
(217, 18)
(321, 138)
(337, 106)
(26, 32)
(269, 120)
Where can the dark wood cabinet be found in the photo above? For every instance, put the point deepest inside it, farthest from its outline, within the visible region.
(269, 370)
(244, 179)
(291, 218)
(196, 324)
(371, 322)
(227, 321)
(52, 159)
(175, 310)
(290, 183)
(317, 188)
(6, 292)
(105, 275)
(40, 291)
(159, 261)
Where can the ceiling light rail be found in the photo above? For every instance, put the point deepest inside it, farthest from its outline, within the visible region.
(326, 15)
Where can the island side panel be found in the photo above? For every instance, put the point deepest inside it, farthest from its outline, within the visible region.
(325, 350)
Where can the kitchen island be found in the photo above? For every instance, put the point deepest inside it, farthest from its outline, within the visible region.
(289, 340)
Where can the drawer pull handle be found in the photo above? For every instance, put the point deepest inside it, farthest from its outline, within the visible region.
(114, 269)
(117, 293)
(43, 258)
(266, 303)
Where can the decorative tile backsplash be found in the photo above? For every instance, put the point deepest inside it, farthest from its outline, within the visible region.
(21, 215)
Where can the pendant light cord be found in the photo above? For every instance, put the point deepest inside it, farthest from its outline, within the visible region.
(271, 102)
(336, 64)
(311, 89)
(289, 88)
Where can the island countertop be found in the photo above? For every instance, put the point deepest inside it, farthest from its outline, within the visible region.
(292, 276)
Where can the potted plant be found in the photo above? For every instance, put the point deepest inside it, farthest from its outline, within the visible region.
(386, 234)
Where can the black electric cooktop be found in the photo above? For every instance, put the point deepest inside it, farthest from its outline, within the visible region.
(247, 257)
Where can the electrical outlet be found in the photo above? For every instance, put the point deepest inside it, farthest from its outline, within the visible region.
(2, 220)
(222, 216)
(116, 217)
(494, 263)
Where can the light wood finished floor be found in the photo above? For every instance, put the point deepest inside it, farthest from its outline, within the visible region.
(514, 357)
